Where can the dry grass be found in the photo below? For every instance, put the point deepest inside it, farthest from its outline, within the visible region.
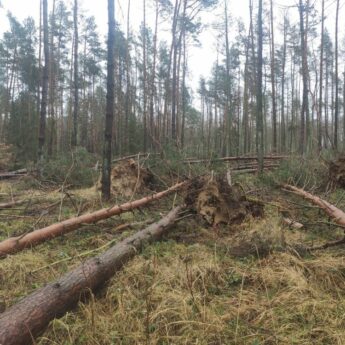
(196, 293)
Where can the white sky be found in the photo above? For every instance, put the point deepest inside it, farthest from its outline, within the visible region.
(202, 58)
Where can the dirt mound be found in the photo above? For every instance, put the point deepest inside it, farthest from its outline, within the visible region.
(128, 178)
(220, 203)
(337, 172)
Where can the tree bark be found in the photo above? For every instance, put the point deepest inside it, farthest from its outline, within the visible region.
(27, 319)
(16, 244)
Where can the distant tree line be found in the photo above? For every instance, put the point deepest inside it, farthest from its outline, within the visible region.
(53, 81)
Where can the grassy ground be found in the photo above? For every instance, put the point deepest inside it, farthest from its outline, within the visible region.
(230, 285)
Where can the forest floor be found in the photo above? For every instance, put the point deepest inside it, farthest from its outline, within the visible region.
(235, 284)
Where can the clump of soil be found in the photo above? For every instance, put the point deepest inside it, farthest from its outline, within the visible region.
(219, 203)
(128, 178)
(337, 172)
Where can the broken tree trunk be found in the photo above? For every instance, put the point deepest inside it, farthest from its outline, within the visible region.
(27, 319)
(331, 210)
(15, 244)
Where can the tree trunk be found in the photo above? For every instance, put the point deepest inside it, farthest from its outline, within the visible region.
(304, 110)
(283, 126)
(319, 120)
(144, 77)
(16, 244)
(27, 319)
(109, 116)
(128, 135)
(336, 105)
(273, 83)
(76, 84)
(43, 111)
(153, 77)
(259, 100)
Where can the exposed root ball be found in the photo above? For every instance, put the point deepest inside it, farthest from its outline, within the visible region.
(127, 178)
(219, 203)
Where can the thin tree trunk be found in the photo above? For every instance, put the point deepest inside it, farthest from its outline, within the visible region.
(43, 111)
(259, 100)
(274, 104)
(76, 76)
(319, 120)
(304, 110)
(153, 77)
(336, 105)
(109, 116)
(128, 135)
(144, 78)
(283, 126)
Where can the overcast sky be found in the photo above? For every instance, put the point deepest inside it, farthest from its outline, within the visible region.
(200, 58)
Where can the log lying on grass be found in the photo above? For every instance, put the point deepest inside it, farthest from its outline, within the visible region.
(15, 244)
(331, 210)
(27, 319)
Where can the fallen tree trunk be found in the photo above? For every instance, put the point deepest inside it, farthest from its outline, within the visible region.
(27, 319)
(331, 210)
(12, 174)
(229, 159)
(15, 244)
